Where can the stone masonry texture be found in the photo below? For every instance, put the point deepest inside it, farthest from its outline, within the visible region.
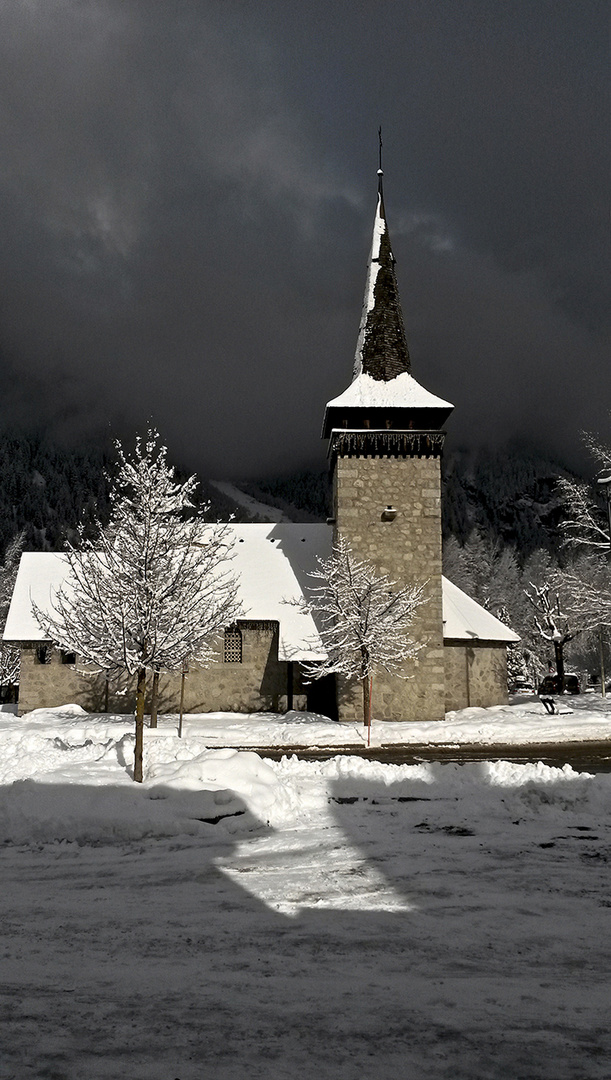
(408, 549)
(475, 674)
(257, 684)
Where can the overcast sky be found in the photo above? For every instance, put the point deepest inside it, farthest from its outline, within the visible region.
(187, 192)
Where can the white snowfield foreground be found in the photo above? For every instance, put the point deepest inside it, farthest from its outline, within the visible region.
(66, 747)
(234, 916)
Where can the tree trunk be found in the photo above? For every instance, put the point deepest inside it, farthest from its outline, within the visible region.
(154, 699)
(139, 725)
(366, 701)
(559, 656)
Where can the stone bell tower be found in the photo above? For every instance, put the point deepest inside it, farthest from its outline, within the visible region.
(385, 442)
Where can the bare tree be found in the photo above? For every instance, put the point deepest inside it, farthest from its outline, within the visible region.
(587, 531)
(558, 621)
(151, 589)
(587, 521)
(364, 620)
(586, 582)
(518, 656)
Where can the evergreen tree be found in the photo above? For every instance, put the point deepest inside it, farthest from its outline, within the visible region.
(9, 654)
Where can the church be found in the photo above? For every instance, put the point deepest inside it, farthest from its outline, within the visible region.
(385, 440)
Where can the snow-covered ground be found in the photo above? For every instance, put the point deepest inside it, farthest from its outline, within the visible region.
(584, 718)
(235, 917)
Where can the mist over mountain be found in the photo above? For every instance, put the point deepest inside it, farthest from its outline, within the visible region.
(509, 494)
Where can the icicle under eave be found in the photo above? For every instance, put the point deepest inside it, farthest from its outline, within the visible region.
(381, 349)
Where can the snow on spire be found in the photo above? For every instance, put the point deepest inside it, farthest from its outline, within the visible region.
(383, 393)
(381, 348)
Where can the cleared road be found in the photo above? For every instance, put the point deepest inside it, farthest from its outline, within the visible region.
(592, 757)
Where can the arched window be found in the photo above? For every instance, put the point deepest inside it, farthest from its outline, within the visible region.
(232, 646)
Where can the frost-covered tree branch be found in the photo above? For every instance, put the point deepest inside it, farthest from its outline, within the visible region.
(364, 619)
(557, 621)
(587, 520)
(153, 587)
(587, 585)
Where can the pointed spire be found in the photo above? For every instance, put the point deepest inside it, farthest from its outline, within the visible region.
(383, 397)
(381, 349)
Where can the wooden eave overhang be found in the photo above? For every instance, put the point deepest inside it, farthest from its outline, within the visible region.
(369, 442)
(382, 418)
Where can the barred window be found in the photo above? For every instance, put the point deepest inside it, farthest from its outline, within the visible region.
(232, 646)
(43, 654)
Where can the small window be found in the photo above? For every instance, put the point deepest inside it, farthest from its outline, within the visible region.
(232, 646)
(68, 657)
(43, 654)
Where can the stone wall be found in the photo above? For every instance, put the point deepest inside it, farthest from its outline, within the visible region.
(257, 684)
(475, 674)
(45, 685)
(408, 549)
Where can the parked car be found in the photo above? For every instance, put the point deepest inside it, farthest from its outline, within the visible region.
(551, 684)
(521, 686)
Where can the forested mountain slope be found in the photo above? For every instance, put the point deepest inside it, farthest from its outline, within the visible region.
(46, 490)
(508, 494)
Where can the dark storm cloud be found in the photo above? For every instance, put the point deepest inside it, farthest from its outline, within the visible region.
(187, 191)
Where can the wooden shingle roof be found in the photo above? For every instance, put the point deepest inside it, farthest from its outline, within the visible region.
(382, 350)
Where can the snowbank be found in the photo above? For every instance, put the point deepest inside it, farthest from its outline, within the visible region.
(67, 776)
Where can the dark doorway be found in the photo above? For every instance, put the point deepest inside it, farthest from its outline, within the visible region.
(322, 696)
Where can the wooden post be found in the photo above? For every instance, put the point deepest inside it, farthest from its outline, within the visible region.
(138, 749)
(289, 685)
(366, 701)
(183, 676)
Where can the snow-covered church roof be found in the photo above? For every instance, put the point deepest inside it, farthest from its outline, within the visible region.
(272, 564)
(466, 620)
